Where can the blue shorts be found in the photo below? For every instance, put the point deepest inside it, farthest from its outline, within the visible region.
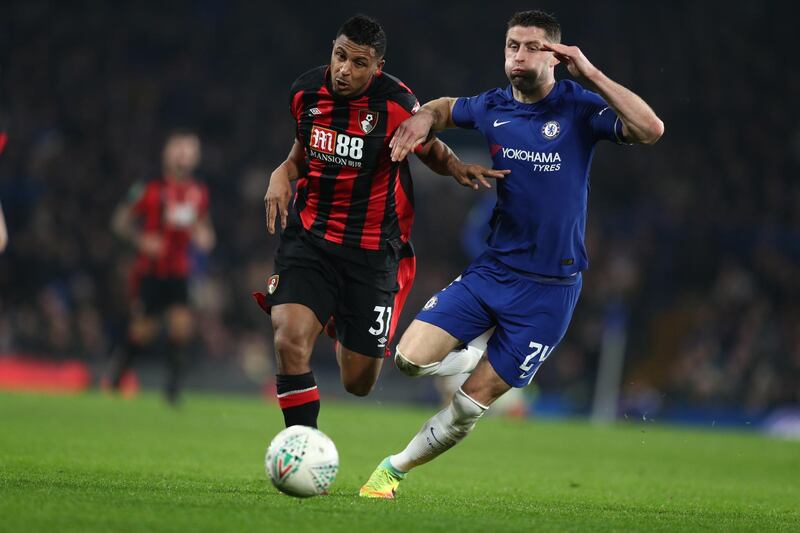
(531, 314)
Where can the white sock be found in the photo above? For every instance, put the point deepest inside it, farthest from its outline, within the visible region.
(441, 432)
(459, 362)
(465, 361)
(454, 363)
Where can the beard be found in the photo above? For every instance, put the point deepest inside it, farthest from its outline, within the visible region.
(526, 82)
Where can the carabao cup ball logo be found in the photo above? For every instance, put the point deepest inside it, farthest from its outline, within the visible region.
(551, 129)
(289, 457)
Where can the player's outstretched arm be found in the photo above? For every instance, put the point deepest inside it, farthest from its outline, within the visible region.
(441, 159)
(436, 115)
(124, 225)
(640, 124)
(279, 188)
(204, 236)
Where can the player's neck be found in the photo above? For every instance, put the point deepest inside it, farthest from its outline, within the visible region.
(175, 175)
(539, 93)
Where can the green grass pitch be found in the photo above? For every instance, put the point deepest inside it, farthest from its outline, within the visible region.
(96, 463)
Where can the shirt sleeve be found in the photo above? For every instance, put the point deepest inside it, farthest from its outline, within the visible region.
(296, 107)
(602, 120)
(408, 101)
(469, 111)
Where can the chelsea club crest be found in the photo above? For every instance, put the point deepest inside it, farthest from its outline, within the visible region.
(551, 129)
(431, 303)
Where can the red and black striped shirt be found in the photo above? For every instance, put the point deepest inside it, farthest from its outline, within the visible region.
(170, 209)
(352, 194)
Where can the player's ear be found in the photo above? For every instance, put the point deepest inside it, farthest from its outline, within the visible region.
(381, 63)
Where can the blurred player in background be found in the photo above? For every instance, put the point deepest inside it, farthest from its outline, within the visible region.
(3, 231)
(527, 283)
(345, 251)
(163, 219)
(3, 227)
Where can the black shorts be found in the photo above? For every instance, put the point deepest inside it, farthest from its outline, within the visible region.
(158, 294)
(363, 291)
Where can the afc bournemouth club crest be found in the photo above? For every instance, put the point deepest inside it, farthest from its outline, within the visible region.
(272, 283)
(367, 120)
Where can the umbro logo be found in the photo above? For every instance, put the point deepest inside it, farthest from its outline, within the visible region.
(314, 111)
(498, 123)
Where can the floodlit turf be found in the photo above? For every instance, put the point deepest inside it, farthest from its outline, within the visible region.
(95, 463)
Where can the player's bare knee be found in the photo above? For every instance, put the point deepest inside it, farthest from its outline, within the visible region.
(180, 324)
(409, 345)
(403, 364)
(358, 388)
(292, 351)
(422, 348)
(408, 366)
(142, 330)
(290, 346)
(181, 332)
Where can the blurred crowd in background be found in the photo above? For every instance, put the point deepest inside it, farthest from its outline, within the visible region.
(694, 243)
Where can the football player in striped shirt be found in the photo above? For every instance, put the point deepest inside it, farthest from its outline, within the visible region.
(345, 251)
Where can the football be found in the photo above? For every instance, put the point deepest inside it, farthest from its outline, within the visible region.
(302, 461)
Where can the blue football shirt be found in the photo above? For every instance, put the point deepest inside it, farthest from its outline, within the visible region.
(539, 221)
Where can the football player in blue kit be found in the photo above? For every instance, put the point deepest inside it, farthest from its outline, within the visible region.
(525, 286)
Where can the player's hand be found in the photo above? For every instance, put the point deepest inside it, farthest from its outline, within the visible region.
(151, 245)
(203, 235)
(277, 199)
(577, 64)
(411, 133)
(470, 175)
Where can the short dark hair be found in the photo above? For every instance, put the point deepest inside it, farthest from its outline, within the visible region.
(539, 19)
(179, 131)
(365, 30)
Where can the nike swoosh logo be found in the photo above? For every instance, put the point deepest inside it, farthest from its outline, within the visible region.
(603, 111)
(434, 438)
(496, 123)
